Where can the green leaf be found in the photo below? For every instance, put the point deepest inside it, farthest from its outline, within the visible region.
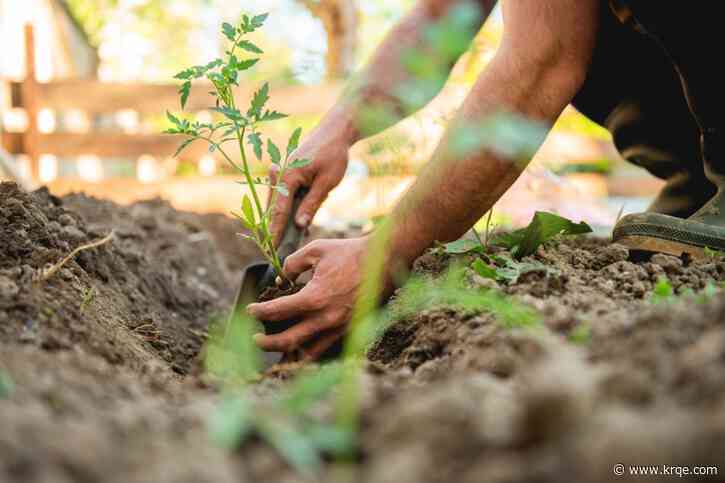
(484, 270)
(310, 387)
(183, 146)
(299, 163)
(294, 141)
(662, 290)
(184, 91)
(246, 64)
(241, 218)
(272, 116)
(229, 113)
(174, 120)
(256, 143)
(581, 334)
(292, 444)
(229, 31)
(249, 47)
(248, 211)
(259, 100)
(185, 74)
(232, 422)
(543, 227)
(464, 245)
(273, 151)
(258, 20)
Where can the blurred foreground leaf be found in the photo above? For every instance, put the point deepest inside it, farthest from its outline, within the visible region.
(6, 385)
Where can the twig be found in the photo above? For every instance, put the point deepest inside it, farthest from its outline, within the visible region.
(49, 272)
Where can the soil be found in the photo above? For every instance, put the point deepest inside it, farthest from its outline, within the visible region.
(105, 360)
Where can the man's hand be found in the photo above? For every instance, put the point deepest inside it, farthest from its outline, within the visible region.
(323, 306)
(328, 152)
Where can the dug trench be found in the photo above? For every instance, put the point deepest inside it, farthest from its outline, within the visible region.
(105, 359)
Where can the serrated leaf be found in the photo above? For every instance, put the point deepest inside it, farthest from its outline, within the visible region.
(248, 211)
(484, 270)
(272, 116)
(249, 47)
(259, 100)
(464, 245)
(294, 141)
(543, 227)
(185, 74)
(246, 64)
(273, 152)
(183, 146)
(256, 143)
(184, 91)
(258, 20)
(229, 31)
(174, 120)
(299, 163)
(229, 113)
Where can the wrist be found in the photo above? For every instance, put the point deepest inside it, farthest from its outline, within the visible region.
(340, 125)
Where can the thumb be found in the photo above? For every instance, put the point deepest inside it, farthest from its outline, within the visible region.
(310, 204)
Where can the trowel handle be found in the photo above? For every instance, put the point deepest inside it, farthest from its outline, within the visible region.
(293, 234)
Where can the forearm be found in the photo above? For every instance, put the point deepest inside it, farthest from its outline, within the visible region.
(455, 189)
(379, 96)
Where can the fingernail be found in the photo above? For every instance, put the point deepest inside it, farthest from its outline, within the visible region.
(303, 220)
(251, 307)
(257, 338)
(278, 281)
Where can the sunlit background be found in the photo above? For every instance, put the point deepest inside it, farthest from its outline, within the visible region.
(96, 61)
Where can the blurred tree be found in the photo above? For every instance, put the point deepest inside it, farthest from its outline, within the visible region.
(340, 20)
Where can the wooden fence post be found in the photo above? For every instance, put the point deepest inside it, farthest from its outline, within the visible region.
(30, 99)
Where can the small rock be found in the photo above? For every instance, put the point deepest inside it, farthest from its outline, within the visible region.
(53, 226)
(66, 220)
(668, 263)
(8, 288)
(66, 274)
(483, 282)
(74, 234)
(611, 254)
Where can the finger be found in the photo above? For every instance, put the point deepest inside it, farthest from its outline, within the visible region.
(311, 203)
(283, 308)
(321, 345)
(293, 337)
(281, 210)
(302, 260)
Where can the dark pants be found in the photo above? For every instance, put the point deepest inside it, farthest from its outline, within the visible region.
(653, 83)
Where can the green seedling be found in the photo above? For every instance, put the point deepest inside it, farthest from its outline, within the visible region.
(87, 297)
(241, 128)
(581, 334)
(662, 291)
(450, 290)
(713, 254)
(285, 422)
(6, 385)
(543, 227)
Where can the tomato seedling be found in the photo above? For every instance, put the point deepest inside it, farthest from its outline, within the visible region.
(241, 129)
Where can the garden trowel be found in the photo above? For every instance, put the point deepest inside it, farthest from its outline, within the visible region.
(259, 275)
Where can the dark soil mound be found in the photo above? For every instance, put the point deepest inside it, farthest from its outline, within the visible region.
(147, 294)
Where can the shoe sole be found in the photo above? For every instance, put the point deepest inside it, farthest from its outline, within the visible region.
(654, 232)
